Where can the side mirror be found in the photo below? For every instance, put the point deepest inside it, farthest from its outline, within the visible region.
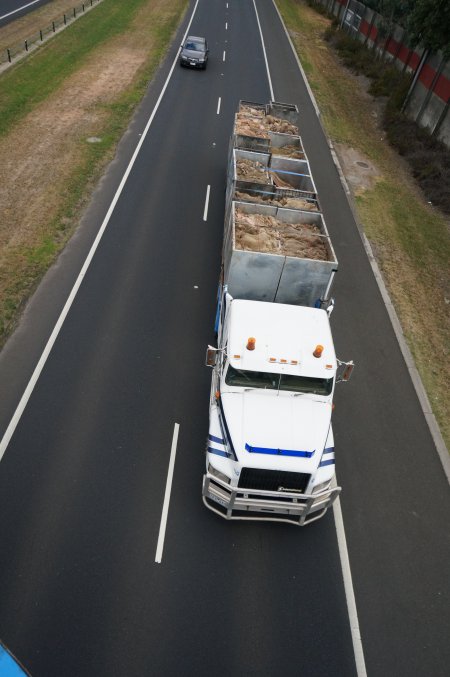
(345, 370)
(211, 356)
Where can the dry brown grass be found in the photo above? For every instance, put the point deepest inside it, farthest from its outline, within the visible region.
(45, 154)
(22, 28)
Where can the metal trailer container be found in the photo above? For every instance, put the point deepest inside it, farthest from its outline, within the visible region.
(278, 141)
(296, 173)
(263, 192)
(260, 276)
(283, 111)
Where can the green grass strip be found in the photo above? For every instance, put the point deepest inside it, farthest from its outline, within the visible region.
(40, 76)
(33, 80)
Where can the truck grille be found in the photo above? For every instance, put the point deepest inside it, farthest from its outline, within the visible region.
(272, 480)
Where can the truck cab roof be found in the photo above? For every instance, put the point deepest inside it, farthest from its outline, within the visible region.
(286, 338)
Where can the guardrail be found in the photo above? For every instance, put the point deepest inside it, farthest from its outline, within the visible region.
(20, 49)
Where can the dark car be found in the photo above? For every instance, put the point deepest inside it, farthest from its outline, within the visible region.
(194, 52)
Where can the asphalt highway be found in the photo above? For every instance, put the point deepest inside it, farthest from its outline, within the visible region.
(83, 478)
(10, 10)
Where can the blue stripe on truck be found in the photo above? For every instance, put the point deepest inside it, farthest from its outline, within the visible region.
(279, 452)
(219, 452)
(216, 439)
(330, 461)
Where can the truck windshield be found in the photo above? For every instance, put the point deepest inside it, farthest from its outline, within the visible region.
(261, 379)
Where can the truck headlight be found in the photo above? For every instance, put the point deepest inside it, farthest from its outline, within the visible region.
(321, 487)
(216, 473)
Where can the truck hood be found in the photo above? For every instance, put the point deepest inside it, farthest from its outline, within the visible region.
(277, 431)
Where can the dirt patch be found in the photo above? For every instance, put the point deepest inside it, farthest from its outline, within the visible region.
(52, 157)
(38, 156)
(360, 172)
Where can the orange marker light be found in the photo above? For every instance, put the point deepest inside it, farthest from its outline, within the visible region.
(251, 343)
(318, 351)
(237, 357)
(294, 361)
(272, 359)
(217, 394)
(283, 361)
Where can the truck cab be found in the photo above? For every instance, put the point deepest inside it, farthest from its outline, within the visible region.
(270, 451)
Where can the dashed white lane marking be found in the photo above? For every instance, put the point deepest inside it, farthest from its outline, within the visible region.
(349, 591)
(165, 510)
(57, 328)
(205, 211)
(337, 511)
(226, 26)
(218, 105)
(272, 98)
(224, 55)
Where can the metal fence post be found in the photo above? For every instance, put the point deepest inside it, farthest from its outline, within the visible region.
(65, 20)
(442, 117)
(40, 32)
(26, 45)
(53, 25)
(74, 12)
(9, 55)
(83, 6)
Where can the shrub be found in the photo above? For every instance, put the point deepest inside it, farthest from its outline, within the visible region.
(428, 158)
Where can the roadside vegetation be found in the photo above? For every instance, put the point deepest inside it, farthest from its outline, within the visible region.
(22, 28)
(428, 157)
(409, 237)
(62, 113)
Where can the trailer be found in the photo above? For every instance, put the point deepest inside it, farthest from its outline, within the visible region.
(270, 449)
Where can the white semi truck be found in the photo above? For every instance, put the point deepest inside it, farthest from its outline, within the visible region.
(270, 450)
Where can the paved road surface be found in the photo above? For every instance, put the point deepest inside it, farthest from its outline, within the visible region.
(10, 10)
(82, 481)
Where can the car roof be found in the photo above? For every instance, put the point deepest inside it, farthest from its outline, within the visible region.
(193, 37)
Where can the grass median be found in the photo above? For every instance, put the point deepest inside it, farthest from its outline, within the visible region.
(62, 112)
(410, 239)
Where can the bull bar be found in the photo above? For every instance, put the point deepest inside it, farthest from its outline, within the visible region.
(275, 506)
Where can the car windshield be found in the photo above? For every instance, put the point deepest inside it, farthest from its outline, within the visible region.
(291, 382)
(194, 46)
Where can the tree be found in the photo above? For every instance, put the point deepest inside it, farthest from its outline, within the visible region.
(426, 21)
(428, 24)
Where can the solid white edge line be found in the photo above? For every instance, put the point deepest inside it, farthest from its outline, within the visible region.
(14, 11)
(218, 105)
(349, 590)
(422, 396)
(305, 79)
(338, 518)
(165, 509)
(264, 52)
(53, 336)
(205, 211)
